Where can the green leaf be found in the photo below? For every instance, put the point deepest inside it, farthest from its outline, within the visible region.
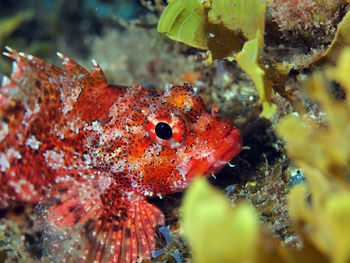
(184, 21)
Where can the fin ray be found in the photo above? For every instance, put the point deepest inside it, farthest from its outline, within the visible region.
(80, 227)
(34, 78)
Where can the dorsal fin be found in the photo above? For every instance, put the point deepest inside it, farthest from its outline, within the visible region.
(33, 78)
(74, 69)
(30, 78)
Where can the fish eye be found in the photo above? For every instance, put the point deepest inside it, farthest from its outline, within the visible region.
(163, 130)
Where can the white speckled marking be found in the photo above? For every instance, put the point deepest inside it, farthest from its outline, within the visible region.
(4, 130)
(33, 143)
(54, 159)
(5, 158)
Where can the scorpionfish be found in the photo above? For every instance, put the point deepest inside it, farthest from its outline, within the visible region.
(90, 154)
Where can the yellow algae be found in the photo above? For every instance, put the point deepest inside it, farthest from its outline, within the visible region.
(341, 72)
(227, 29)
(223, 27)
(327, 148)
(327, 220)
(218, 232)
(247, 16)
(323, 152)
(319, 208)
(341, 39)
(248, 60)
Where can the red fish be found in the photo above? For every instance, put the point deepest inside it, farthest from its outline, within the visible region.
(90, 154)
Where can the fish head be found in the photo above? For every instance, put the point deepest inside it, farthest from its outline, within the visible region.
(192, 140)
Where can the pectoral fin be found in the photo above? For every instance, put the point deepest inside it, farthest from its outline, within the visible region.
(90, 222)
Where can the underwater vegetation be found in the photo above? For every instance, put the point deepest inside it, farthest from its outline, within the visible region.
(319, 208)
(278, 69)
(235, 30)
(8, 25)
(224, 28)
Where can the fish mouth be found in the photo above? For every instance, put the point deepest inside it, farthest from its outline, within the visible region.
(216, 160)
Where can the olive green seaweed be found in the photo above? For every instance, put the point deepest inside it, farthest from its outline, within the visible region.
(219, 26)
(9, 24)
(183, 21)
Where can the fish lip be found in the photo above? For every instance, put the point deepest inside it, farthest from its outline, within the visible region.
(215, 161)
(224, 159)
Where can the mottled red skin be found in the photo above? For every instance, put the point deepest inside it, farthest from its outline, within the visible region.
(88, 153)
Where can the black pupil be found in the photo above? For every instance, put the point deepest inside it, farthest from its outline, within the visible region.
(163, 131)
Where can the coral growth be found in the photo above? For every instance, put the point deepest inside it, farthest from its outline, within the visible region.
(293, 15)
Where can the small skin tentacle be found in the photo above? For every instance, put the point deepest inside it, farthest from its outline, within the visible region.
(231, 165)
(245, 147)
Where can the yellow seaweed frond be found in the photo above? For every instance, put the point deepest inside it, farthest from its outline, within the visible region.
(319, 209)
(327, 148)
(327, 219)
(341, 72)
(218, 232)
(341, 39)
(323, 152)
(227, 29)
(248, 60)
(247, 16)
